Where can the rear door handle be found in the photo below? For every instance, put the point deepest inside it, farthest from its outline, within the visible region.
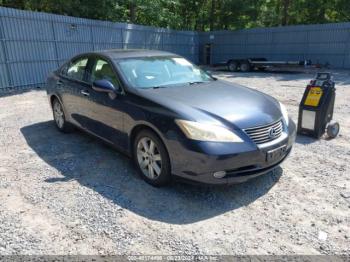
(59, 83)
(85, 93)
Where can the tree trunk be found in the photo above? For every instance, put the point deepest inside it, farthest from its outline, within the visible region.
(285, 12)
(211, 26)
(132, 11)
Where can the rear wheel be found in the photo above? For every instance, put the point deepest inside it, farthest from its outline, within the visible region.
(151, 158)
(245, 67)
(59, 117)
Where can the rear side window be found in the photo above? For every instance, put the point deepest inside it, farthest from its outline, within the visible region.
(76, 69)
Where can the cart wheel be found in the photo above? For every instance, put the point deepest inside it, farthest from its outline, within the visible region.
(333, 129)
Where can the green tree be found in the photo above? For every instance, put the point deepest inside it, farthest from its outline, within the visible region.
(201, 15)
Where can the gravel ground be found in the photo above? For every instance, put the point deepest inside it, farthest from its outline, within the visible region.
(70, 194)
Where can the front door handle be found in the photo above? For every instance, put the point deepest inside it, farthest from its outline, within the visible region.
(85, 93)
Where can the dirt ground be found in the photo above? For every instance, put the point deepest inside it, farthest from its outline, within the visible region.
(70, 194)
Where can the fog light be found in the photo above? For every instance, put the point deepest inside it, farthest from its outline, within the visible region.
(219, 174)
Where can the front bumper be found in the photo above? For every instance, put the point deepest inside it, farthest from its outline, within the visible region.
(198, 161)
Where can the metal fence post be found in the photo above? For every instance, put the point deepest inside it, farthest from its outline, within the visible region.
(162, 39)
(122, 34)
(346, 55)
(55, 43)
(307, 47)
(92, 38)
(5, 52)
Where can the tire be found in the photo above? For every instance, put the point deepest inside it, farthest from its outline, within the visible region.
(245, 67)
(333, 129)
(153, 165)
(59, 117)
(232, 66)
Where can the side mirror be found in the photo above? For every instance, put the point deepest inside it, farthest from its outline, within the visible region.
(103, 85)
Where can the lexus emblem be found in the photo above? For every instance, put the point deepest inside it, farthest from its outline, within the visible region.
(272, 132)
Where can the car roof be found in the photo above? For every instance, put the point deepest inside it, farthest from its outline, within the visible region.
(130, 53)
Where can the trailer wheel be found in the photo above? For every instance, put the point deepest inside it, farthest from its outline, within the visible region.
(232, 66)
(245, 67)
(333, 129)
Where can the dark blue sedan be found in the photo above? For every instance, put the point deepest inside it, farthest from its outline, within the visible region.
(171, 117)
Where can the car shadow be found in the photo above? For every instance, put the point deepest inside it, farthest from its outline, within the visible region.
(80, 157)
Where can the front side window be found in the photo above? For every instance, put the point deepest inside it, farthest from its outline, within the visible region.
(154, 72)
(103, 70)
(76, 69)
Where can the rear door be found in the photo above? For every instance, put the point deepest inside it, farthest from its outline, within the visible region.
(74, 86)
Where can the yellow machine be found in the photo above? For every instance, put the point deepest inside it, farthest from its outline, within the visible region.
(316, 108)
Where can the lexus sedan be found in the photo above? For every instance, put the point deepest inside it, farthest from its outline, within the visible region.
(174, 119)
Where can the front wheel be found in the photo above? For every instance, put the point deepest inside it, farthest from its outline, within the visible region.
(151, 158)
(232, 66)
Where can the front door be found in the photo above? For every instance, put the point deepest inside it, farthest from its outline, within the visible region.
(105, 110)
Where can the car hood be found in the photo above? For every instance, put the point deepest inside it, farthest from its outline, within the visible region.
(220, 101)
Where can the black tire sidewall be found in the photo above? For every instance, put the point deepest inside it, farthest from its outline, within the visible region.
(247, 69)
(235, 66)
(165, 175)
(330, 128)
(65, 127)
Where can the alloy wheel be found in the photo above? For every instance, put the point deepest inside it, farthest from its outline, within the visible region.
(149, 158)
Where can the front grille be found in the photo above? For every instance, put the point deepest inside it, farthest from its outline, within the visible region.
(264, 134)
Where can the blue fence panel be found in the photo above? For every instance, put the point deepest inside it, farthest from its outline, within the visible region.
(104, 46)
(71, 32)
(325, 43)
(105, 35)
(26, 29)
(3, 76)
(134, 37)
(66, 50)
(30, 51)
(2, 55)
(153, 38)
(30, 74)
(32, 43)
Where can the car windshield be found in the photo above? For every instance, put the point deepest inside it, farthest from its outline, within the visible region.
(157, 72)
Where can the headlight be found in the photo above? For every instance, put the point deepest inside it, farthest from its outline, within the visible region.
(207, 132)
(284, 113)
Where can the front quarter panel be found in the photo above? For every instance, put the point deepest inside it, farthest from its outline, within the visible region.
(143, 112)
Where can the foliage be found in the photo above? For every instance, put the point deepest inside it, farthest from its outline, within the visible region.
(201, 15)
